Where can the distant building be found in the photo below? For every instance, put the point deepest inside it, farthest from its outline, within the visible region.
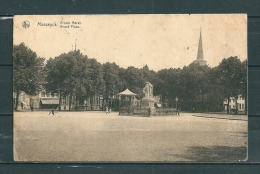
(42, 100)
(233, 104)
(82, 103)
(45, 100)
(200, 57)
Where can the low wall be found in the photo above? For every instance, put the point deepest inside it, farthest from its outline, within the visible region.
(165, 111)
(133, 111)
(147, 112)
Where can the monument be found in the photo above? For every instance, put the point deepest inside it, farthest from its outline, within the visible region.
(148, 100)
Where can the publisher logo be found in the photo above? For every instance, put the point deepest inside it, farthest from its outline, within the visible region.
(26, 24)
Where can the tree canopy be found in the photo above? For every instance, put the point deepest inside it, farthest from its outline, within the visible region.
(200, 87)
(27, 71)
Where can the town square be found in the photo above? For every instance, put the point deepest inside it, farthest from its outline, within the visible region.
(101, 137)
(130, 88)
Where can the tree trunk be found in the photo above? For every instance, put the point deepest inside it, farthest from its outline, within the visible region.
(91, 103)
(236, 112)
(59, 100)
(76, 102)
(163, 98)
(16, 100)
(70, 101)
(65, 103)
(228, 106)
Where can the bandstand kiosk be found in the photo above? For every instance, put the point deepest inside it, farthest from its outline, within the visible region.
(126, 102)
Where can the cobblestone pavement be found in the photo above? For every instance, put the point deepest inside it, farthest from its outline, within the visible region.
(97, 137)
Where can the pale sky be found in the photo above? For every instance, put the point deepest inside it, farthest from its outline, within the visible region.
(160, 41)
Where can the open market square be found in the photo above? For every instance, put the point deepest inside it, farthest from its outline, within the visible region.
(130, 88)
(100, 137)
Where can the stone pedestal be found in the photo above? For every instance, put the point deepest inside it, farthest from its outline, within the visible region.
(148, 103)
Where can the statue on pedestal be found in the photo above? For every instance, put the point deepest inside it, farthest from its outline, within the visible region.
(148, 100)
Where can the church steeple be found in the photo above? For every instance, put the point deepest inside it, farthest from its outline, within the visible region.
(200, 49)
(200, 57)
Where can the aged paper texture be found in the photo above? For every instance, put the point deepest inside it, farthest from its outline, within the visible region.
(130, 88)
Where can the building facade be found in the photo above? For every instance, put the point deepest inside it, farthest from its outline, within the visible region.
(45, 100)
(234, 104)
(41, 100)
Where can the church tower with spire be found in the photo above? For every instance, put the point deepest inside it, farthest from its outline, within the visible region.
(200, 57)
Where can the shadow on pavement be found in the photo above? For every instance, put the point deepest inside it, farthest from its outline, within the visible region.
(215, 154)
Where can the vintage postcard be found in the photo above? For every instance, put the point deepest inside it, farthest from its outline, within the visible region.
(130, 88)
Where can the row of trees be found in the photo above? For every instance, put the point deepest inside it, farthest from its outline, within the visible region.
(199, 87)
(202, 87)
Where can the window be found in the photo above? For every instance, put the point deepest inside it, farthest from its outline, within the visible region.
(240, 107)
(243, 106)
(229, 100)
(233, 100)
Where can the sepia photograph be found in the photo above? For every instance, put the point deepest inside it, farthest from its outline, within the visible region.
(130, 88)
